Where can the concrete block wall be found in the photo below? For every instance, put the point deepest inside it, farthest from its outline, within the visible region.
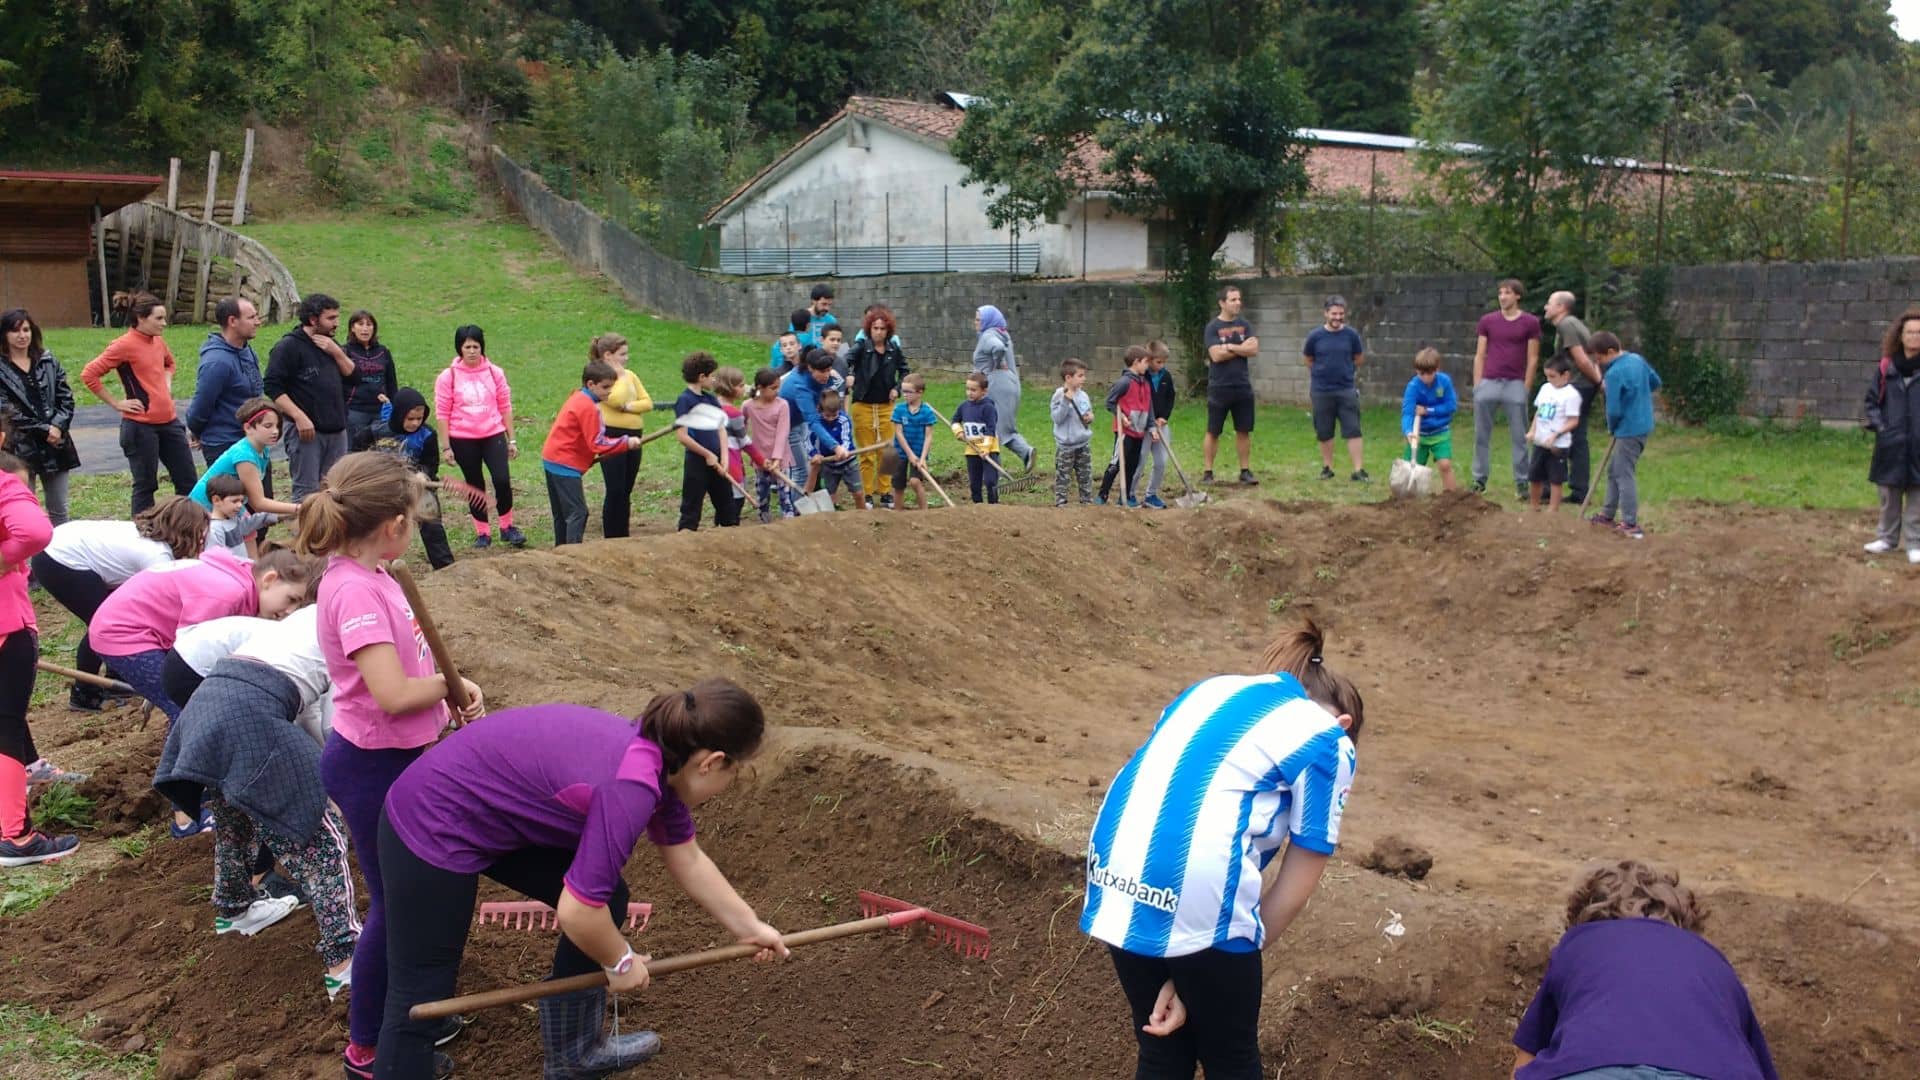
(1806, 333)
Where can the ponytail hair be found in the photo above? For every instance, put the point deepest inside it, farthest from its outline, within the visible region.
(716, 714)
(292, 567)
(604, 346)
(176, 521)
(1300, 653)
(362, 492)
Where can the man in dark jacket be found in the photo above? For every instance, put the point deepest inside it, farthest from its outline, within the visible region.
(305, 377)
(228, 376)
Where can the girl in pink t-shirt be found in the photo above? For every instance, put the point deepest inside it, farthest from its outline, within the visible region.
(24, 532)
(134, 627)
(389, 702)
(476, 412)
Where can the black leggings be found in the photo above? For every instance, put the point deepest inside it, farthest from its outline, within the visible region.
(491, 451)
(18, 651)
(619, 471)
(79, 591)
(428, 913)
(979, 474)
(178, 678)
(1129, 458)
(1221, 991)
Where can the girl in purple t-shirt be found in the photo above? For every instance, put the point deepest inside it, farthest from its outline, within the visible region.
(1633, 992)
(388, 700)
(568, 792)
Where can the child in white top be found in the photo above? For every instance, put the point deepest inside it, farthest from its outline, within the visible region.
(1556, 412)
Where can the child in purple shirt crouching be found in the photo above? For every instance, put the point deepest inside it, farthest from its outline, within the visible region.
(1633, 992)
(550, 801)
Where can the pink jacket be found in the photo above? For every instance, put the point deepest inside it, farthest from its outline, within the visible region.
(24, 533)
(473, 402)
(769, 424)
(149, 611)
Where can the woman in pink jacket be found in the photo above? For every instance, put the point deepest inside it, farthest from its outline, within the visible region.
(24, 532)
(476, 408)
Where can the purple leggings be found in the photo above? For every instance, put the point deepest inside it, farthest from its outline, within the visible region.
(357, 781)
(145, 672)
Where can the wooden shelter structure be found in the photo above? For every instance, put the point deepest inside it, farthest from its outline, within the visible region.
(49, 256)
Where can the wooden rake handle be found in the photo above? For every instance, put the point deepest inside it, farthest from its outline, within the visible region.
(80, 676)
(442, 656)
(969, 444)
(514, 995)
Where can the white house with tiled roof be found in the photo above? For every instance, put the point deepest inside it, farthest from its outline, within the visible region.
(875, 190)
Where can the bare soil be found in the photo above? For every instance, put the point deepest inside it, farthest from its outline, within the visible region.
(1733, 697)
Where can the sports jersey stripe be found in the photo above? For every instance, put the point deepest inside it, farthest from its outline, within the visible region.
(1175, 829)
(1120, 800)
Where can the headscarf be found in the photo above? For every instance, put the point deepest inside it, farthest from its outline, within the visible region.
(992, 322)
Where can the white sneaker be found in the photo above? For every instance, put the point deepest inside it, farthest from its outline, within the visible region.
(1879, 547)
(1913, 556)
(258, 916)
(338, 984)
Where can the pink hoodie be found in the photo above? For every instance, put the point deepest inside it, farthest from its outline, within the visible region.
(472, 401)
(24, 533)
(149, 611)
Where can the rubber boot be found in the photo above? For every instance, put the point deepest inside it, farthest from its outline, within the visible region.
(573, 1030)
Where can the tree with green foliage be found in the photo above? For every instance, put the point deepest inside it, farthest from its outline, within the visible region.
(1359, 61)
(1550, 93)
(1185, 109)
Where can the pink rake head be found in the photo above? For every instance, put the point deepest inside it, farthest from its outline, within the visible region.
(534, 915)
(967, 939)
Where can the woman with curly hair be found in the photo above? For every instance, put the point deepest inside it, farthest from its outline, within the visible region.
(1633, 992)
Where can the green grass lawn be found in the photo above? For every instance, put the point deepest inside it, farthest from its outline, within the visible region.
(423, 277)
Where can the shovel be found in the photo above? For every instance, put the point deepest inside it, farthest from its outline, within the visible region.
(1192, 498)
(883, 913)
(821, 501)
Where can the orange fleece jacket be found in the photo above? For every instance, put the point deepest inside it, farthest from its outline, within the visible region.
(146, 374)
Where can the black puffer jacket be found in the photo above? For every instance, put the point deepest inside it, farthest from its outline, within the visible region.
(36, 401)
(1893, 414)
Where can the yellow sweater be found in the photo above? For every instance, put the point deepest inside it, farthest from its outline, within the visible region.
(625, 405)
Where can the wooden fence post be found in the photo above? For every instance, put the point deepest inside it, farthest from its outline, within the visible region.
(100, 255)
(206, 242)
(240, 190)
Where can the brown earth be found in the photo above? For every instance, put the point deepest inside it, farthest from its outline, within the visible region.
(1732, 697)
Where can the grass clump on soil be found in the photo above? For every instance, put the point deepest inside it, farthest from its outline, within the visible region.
(63, 805)
(56, 1051)
(29, 887)
(1446, 1033)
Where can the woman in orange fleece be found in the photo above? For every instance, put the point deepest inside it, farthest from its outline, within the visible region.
(150, 433)
(579, 436)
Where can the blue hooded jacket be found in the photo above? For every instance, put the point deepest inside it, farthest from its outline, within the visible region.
(227, 378)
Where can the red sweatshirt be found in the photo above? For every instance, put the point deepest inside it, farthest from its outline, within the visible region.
(146, 374)
(1134, 411)
(579, 437)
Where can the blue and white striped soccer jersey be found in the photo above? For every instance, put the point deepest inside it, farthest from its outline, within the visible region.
(1236, 764)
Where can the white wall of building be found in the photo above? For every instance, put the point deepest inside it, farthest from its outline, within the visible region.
(887, 191)
(864, 184)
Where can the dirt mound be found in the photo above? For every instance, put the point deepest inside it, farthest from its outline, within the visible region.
(1731, 697)
(121, 787)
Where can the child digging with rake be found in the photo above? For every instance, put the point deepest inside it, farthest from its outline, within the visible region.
(1236, 765)
(569, 792)
(389, 702)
